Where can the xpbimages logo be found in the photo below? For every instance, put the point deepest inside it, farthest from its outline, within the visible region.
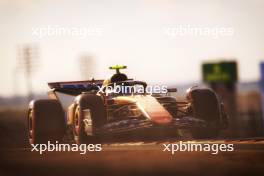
(62, 31)
(50, 147)
(200, 147)
(122, 88)
(132, 89)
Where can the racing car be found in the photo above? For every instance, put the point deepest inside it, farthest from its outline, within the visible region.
(83, 110)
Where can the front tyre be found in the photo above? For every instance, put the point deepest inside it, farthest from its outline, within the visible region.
(205, 106)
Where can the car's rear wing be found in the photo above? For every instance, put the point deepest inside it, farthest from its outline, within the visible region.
(76, 87)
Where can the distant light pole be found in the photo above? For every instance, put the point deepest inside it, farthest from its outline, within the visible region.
(28, 62)
(87, 66)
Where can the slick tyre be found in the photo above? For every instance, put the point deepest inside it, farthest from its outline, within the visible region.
(205, 106)
(89, 115)
(45, 121)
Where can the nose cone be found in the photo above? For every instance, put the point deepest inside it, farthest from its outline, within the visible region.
(153, 110)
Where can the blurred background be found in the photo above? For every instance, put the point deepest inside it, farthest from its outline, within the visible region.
(161, 41)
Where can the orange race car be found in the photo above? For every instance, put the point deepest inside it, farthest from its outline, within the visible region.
(84, 110)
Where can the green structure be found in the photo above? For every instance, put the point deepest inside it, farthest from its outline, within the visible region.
(220, 72)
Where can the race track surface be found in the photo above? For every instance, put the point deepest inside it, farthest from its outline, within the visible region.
(138, 158)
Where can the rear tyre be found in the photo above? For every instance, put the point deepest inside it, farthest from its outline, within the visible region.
(89, 114)
(205, 106)
(45, 121)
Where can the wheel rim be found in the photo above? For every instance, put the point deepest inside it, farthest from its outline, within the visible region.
(76, 123)
(30, 126)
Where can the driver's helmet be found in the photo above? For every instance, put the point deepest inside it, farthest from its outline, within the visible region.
(118, 77)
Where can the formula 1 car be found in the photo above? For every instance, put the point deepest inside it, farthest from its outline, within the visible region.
(94, 108)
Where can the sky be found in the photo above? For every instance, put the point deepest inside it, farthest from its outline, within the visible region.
(140, 34)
